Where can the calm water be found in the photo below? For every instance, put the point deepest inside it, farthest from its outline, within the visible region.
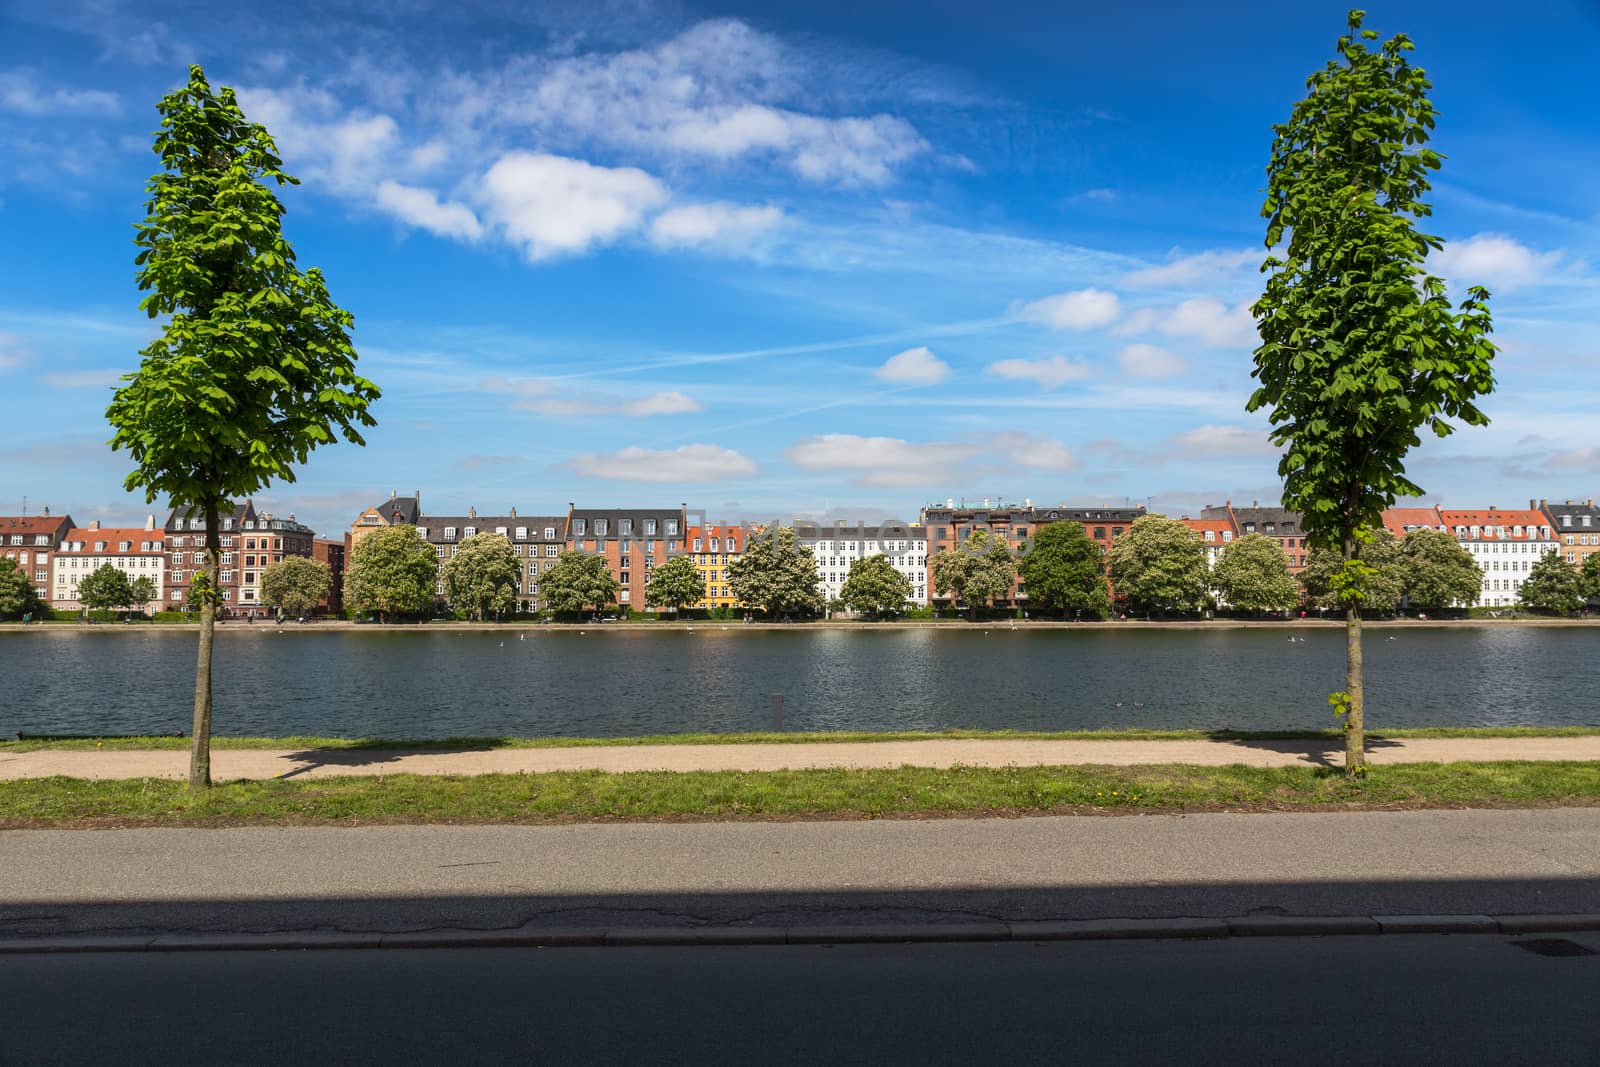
(560, 682)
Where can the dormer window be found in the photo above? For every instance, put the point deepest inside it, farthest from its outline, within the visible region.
(522, 533)
(1249, 527)
(649, 527)
(733, 546)
(422, 531)
(549, 533)
(672, 527)
(227, 524)
(449, 533)
(600, 527)
(469, 531)
(1211, 535)
(625, 526)
(501, 530)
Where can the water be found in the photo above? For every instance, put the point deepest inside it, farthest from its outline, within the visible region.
(429, 684)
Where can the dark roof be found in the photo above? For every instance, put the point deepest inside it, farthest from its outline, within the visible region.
(613, 517)
(887, 531)
(179, 520)
(1036, 513)
(535, 525)
(1577, 512)
(409, 509)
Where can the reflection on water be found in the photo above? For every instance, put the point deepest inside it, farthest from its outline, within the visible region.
(612, 682)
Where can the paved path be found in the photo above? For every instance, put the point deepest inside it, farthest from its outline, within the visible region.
(418, 878)
(321, 763)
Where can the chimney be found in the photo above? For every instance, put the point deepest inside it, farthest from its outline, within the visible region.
(513, 513)
(472, 513)
(950, 502)
(1532, 504)
(47, 511)
(393, 493)
(1542, 502)
(149, 522)
(1027, 502)
(94, 524)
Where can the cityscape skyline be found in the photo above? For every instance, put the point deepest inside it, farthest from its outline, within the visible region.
(751, 257)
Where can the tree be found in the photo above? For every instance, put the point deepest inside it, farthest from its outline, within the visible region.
(104, 588)
(776, 574)
(482, 576)
(1386, 586)
(874, 587)
(1064, 569)
(1253, 575)
(296, 584)
(675, 583)
(1439, 573)
(392, 571)
(976, 571)
(1552, 585)
(1591, 576)
(578, 580)
(1159, 565)
(17, 595)
(141, 591)
(1360, 348)
(254, 367)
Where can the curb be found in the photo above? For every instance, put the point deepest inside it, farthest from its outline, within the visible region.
(877, 933)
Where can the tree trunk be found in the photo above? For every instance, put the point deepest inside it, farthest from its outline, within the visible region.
(200, 748)
(1355, 735)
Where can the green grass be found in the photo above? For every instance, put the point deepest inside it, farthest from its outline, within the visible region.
(906, 791)
(795, 738)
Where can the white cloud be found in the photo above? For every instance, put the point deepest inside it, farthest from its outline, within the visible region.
(1202, 268)
(20, 93)
(84, 379)
(1050, 373)
(688, 463)
(422, 208)
(552, 205)
(719, 223)
(672, 403)
(1150, 361)
(13, 353)
(1221, 441)
(1204, 319)
(914, 366)
(1082, 309)
(883, 461)
(1036, 451)
(542, 397)
(348, 154)
(1492, 260)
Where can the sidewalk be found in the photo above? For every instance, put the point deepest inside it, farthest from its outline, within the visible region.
(228, 764)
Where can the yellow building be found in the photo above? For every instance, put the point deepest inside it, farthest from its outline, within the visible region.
(712, 548)
(396, 511)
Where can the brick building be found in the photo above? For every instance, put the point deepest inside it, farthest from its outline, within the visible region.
(1577, 528)
(633, 540)
(30, 541)
(535, 539)
(332, 554)
(249, 542)
(1280, 524)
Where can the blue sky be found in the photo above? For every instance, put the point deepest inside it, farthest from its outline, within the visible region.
(812, 258)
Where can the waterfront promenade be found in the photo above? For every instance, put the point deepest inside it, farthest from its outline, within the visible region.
(262, 764)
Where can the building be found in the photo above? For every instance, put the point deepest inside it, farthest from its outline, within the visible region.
(634, 541)
(1401, 521)
(1280, 524)
(249, 543)
(1576, 526)
(1505, 544)
(136, 551)
(331, 553)
(536, 540)
(1214, 534)
(836, 547)
(712, 548)
(30, 541)
(396, 511)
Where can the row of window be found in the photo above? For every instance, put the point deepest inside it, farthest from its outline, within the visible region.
(38, 539)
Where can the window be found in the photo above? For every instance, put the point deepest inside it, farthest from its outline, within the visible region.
(578, 527)
(1116, 531)
(227, 524)
(1249, 527)
(697, 545)
(549, 533)
(600, 527)
(99, 546)
(227, 557)
(550, 550)
(227, 542)
(649, 527)
(227, 576)
(625, 526)
(16, 539)
(470, 531)
(732, 546)
(672, 527)
(449, 533)
(1211, 535)
(522, 533)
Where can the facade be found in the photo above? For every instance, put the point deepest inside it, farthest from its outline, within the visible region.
(712, 548)
(1279, 523)
(1214, 534)
(396, 511)
(1576, 526)
(31, 541)
(249, 543)
(836, 547)
(634, 542)
(136, 551)
(535, 539)
(331, 553)
(1505, 544)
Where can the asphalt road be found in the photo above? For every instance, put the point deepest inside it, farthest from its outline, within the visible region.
(1455, 999)
(400, 878)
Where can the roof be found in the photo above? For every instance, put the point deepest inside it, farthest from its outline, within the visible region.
(435, 525)
(889, 529)
(112, 534)
(35, 524)
(1576, 511)
(1398, 520)
(1489, 520)
(402, 510)
(1202, 525)
(240, 512)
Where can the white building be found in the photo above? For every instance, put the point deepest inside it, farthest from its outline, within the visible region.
(135, 551)
(1505, 544)
(836, 547)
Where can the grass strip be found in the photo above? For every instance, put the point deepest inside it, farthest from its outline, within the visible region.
(790, 738)
(904, 791)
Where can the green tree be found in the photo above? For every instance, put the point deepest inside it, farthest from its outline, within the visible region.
(874, 587)
(104, 588)
(254, 367)
(776, 574)
(577, 581)
(296, 584)
(976, 571)
(1386, 586)
(1360, 347)
(675, 583)
(1591, 576)
(1552, 585)
(1439, 573)
(17, 595)
(1159, 565)
(481, 577)
(1253, 575)
(1064, 569)
(141, 591)
(392, 571)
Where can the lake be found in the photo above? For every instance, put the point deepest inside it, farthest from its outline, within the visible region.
(557, 681)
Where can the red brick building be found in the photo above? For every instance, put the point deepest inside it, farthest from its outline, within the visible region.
(250, 542)
(31, 541)
(634, 542)
(332, 553)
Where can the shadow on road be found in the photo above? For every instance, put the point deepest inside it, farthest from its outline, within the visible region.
(310, 759)
(1323, 753)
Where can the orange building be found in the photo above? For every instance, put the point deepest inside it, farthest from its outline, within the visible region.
(634, 541)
